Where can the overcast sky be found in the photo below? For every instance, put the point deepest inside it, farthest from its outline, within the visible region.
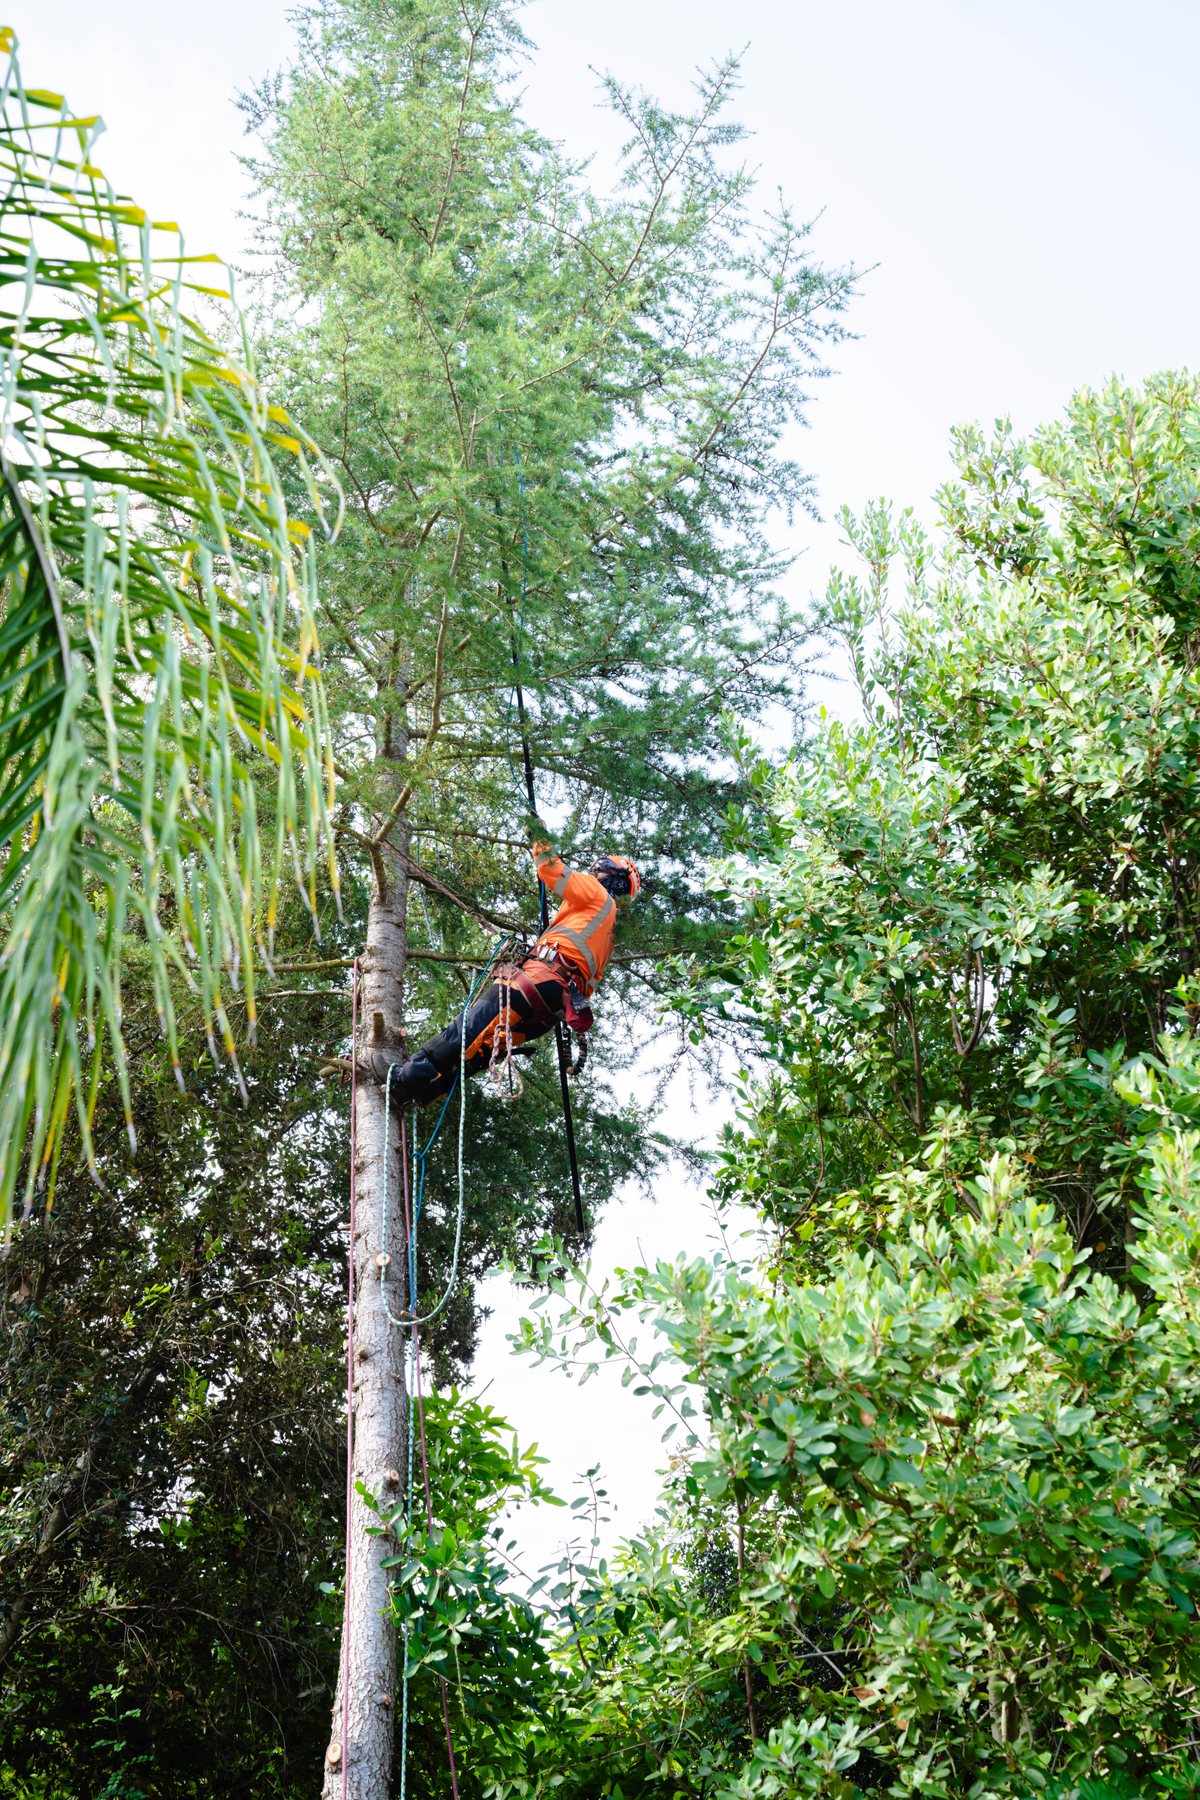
(1024, 176)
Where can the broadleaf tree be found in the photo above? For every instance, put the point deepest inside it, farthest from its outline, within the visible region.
(943, 1421)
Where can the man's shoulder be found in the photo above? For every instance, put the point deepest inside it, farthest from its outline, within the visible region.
(583, 886)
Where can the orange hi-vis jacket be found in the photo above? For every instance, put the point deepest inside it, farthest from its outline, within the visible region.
(583, 928)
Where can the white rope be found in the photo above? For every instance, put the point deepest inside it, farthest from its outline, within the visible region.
(503, 1073)
(412, 1321)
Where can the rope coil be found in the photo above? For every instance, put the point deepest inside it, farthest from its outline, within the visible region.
(503, 1073)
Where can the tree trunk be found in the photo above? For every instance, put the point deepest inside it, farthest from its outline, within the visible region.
(367, 1661)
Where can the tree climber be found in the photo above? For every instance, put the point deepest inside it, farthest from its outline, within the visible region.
(552, 984)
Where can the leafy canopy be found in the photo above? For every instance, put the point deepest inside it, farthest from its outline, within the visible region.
(947, 1415)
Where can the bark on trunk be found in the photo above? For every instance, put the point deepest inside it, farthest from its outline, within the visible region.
(380, 1399)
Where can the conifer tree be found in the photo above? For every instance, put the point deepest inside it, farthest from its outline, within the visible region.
(558, 419)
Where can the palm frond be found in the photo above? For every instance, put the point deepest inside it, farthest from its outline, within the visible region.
(158, 644)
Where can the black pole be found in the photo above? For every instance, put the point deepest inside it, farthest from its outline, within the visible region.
(564, 1060)
(560, 1038)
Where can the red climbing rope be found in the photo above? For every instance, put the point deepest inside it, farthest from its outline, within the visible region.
(350, 1382)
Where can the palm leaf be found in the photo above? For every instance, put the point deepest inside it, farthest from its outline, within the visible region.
(158, 646)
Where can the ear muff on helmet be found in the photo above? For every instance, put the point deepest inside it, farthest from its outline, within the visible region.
(619, 876)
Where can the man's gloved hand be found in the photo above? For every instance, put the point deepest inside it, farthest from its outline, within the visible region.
(580, 1016)
(536, 830)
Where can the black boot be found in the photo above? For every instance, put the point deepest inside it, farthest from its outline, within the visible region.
(375, 1066)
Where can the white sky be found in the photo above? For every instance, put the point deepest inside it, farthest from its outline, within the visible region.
(1024, 174)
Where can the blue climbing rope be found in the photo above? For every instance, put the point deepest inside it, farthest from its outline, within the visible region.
(412, 1322)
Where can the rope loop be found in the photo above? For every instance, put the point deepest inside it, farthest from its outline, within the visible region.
(412, 1321)
(503, 1073)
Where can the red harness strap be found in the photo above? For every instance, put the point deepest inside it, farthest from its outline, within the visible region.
(532, 992)
(579, 1018)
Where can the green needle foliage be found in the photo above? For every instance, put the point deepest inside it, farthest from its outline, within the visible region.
(158, 637)
(558, 417)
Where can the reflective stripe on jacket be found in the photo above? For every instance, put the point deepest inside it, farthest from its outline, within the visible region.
(583, 927)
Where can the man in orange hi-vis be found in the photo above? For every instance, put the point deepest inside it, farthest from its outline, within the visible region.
(550, 986)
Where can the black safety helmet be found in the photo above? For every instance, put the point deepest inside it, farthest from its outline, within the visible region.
(619, 876)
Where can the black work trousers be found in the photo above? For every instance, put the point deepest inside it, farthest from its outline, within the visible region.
(537, 1000)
